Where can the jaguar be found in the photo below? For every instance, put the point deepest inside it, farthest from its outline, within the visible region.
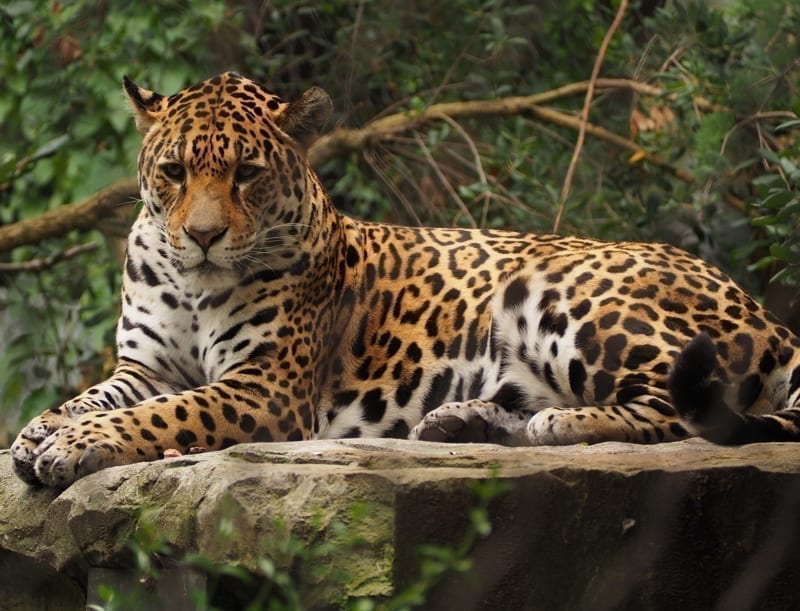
(253, 311)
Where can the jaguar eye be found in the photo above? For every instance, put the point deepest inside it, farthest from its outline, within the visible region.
(173, 171)
(246, 171)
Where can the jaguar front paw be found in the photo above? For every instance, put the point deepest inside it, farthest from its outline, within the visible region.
(56, 456)
(77, 449)
(26, 448)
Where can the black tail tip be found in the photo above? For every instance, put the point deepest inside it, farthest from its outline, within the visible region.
(691, 373)
(698, 359)
(698, 395)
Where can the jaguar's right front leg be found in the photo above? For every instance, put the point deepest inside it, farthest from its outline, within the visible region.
(128, 386)
(238, 408)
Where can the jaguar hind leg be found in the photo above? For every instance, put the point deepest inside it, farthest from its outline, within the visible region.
(473, 421)
(633, 423)
(479, 421)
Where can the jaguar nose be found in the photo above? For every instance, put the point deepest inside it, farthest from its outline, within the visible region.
(205, 237)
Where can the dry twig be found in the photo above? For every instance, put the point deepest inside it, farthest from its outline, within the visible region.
(587, 104)
(443, 180)
(38, 265)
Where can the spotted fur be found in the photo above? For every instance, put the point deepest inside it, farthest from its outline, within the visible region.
(253, 311)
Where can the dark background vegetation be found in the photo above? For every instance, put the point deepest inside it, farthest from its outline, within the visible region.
(713, 168)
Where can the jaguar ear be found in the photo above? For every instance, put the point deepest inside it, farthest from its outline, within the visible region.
(146, 104)
(303, 119)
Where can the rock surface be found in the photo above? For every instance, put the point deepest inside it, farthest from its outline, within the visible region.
(683, 525)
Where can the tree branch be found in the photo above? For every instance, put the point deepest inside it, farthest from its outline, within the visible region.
(342, 141)
(572, 122)
(584, 120)
(37, 265)
(82, 215)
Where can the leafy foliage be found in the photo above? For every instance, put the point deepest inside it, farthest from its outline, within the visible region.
(293, 568)
(66, 134)
(728, 77)
(779, 201)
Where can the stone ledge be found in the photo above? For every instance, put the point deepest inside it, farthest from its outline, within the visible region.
(613, 525)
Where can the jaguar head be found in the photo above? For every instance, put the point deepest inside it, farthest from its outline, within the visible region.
(223, 173)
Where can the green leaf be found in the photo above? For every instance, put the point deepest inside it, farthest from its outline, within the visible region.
(789, 211)
(788, 275)
(769, 155)
(778, 199)
(768, 180)
(761, 264)
(788, 124)
(764, 221)
(783, 252)
(50, 147)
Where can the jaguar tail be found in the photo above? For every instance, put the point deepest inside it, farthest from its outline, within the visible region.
(698, 395)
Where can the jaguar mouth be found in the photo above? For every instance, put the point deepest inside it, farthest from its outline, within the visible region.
(210, 276)
(207, 268)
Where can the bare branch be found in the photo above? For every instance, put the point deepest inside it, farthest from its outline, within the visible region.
(341, 141)
(587, 104)
(37, 265)
(443, 179)
(565, 120)
(82, 215)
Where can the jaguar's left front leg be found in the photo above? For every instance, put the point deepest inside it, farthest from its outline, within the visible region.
(239, 408)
